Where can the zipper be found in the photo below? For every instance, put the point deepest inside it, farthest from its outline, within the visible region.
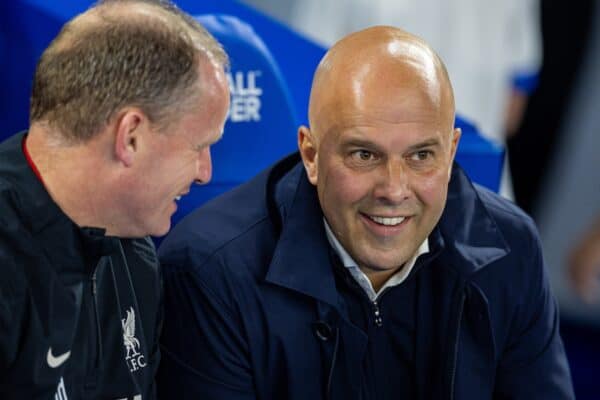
(97, 319)
(378, 320)
(377, 317)
(461, 304)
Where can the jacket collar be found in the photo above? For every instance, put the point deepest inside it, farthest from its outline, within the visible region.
(471, 234)
(53, 229)
(301, 260)
(38, 208)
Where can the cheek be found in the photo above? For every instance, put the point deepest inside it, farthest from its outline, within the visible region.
(175, 167)
(432, 190)
(341, 187)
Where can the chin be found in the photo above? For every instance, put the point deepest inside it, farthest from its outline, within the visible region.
(382, 263)
(161, 231)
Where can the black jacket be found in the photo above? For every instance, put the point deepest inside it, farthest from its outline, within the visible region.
(80, 312)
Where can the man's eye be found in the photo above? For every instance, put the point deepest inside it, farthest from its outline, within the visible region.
(363, 155)
(422, 155)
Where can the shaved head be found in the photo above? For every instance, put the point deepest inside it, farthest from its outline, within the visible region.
(374, 63)
(380, 145)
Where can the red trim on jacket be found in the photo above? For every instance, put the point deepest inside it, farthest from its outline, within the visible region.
(32, 165)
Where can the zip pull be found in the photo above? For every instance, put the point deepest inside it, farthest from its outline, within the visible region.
(94, 291)
(378, 320)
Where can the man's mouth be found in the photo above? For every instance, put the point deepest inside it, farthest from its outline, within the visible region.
(387, 221)
(178, 197)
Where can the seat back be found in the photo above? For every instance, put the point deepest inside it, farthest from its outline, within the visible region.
(261, 124)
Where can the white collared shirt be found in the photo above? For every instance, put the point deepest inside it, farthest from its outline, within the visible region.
(360, 276)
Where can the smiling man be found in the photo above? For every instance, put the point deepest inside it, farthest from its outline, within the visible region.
(126, 103)
(368, 267)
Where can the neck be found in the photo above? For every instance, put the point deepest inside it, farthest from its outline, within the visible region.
(69, 173)
(379, 278)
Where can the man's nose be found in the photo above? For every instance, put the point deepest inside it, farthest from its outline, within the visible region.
(392, 183)
(203, 167)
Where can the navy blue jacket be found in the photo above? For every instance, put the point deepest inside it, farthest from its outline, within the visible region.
(252, 310)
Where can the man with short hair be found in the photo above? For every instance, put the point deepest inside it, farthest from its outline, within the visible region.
(126, 102)
(368, 267)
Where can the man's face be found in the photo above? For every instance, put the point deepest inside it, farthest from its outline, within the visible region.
(175, 159)
(381, 167)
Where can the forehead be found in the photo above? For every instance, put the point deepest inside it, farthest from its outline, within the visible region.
(395, 81)
(204, 117)
(386, 137)
(212, 89)
(400, 113)
(384, 100)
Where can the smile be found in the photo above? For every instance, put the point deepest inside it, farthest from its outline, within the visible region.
(387, 221)
(178, 197)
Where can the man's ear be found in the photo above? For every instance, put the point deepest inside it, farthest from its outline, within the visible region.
(453, 146)
(127, 136)
(309, 152)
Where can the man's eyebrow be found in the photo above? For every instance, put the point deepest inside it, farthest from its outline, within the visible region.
(354, 142)
(433, 142)
(218, 137)
(201, 146)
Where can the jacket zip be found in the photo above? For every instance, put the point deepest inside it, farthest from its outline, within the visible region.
(97, 319)
(452, 373)
(377, 314)
(377, 317)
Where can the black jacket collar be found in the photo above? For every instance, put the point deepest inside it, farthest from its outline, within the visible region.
(46, 221)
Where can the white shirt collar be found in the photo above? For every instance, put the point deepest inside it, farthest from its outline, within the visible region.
(360, 276)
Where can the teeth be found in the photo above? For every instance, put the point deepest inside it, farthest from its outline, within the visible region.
(387, 221)
(178, 198)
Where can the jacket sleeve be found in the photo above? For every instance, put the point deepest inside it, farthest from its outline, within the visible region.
(533, 364)
(8, 336)
(204, 353)
(12, 294)
(10, 309)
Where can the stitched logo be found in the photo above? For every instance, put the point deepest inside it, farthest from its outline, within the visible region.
(55, 362)
(135, 360)
(61, 392)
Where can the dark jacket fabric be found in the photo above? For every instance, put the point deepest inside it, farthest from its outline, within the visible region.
(253, 310)
(80, 312)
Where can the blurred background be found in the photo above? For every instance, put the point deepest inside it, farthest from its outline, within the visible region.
(526, 73)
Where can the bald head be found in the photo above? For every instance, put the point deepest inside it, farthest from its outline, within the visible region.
(380, 146)
(366, 69)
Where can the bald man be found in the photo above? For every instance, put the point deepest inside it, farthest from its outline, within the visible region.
(368, 266)
(126, 102)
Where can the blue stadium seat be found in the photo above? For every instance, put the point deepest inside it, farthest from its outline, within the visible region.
(261, 125)
(480, 158)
